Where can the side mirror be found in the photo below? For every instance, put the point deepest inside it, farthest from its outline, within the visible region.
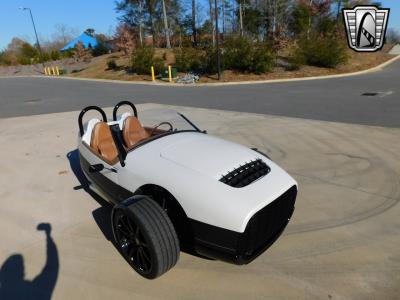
(96, 168)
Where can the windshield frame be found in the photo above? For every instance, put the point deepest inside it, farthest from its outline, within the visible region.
(156, 137)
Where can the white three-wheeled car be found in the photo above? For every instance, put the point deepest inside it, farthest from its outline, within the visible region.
(174, 186)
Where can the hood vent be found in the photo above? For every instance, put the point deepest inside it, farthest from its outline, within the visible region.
(246, 174)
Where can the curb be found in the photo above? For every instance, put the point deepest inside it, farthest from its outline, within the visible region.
(371, 70)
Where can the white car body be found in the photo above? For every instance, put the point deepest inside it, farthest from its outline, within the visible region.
(189, 165)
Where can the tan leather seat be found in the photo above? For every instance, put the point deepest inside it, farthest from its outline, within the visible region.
(102, 142)
(133, 131)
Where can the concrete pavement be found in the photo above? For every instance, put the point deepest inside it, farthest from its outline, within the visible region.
(395, 50)
(338, 100)
(342, 242)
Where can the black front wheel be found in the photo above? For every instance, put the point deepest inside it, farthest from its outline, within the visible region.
(145, 236)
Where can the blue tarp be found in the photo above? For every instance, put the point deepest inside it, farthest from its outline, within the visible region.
(86, 40)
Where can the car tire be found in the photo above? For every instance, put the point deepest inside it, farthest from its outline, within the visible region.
(145, 236)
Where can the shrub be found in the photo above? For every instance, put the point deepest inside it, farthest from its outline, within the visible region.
(240, 54)
(23, 60)
(263, 59)
(28, 54)
(143, 59)
(100, 49)
(327, 52)
(189, 59)
(68, 53)
(80, 52)
(158, 65)
(28, 50)
(237, 53)
(55, 55)
(294, 63)
(45, 57)
(112, 65)
(209, 61)
(7, 59)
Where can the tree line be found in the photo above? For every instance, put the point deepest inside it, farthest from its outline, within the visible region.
(253, 33)
(173, 23)
(21, 52)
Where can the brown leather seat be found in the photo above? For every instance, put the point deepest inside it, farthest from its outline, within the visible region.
(102, 142)
(133, 131)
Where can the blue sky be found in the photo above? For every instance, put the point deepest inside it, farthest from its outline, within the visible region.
(78, 14)
(82, 14)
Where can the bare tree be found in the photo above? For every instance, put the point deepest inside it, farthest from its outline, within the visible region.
(141, 22)
(80, 51)
(166, 24)
(151, 6)
(223, 15)
(15, 44)
(64, 33)
(240, 18)
(124, 39)
(212, 21)
(194, 22)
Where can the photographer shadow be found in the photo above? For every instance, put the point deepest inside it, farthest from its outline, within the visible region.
(14, 286)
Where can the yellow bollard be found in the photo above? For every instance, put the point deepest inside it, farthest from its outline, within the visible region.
(152, 74)
(170, 73)
(57, 71)
(45, 71)
(48, 71)
(53, 71)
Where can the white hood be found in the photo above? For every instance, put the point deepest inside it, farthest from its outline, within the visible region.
(208, 155)
(190, 165)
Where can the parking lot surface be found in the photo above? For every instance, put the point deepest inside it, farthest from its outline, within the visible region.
(342, 243)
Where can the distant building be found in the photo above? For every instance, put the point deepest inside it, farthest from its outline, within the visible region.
(87, 41)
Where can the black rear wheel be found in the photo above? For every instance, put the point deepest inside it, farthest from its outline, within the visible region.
(145, 236)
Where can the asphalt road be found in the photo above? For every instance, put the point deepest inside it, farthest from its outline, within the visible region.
(338, 99)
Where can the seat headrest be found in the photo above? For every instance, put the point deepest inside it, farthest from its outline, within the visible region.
(133, 131)
(102, 142)
(122, 119)
(88, 132)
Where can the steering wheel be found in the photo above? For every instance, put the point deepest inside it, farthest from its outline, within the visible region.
(162, 123)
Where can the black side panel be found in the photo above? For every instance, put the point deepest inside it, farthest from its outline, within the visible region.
(268, 222)
(263, 229)
(108, 187)
(215, 237)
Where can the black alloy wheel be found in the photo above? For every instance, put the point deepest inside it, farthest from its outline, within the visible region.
(145, 236)
(133, 244)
